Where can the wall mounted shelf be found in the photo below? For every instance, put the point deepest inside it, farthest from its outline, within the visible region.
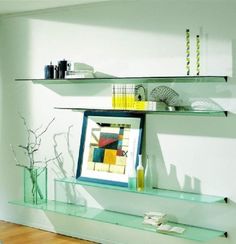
(218, 113)
(179, 195)
(187, 110)
(133, 80)
(123, 219)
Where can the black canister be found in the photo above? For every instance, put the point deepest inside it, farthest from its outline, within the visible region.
(49, 71)
(56, 72)
(62, 65)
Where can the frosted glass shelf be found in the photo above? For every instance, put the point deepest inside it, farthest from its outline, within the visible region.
(153, 192)
(218, 113)
(122, 219)
(113, 80)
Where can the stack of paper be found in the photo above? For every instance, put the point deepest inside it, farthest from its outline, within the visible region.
(79, 70)
(154, 218)
(169, 228)
(159, 220)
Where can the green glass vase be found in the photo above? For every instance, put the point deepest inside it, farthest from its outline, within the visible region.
(35, 185)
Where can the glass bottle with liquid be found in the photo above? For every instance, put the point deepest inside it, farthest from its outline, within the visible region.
(140, 175)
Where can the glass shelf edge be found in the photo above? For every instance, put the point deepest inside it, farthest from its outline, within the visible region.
(151, 79)
(164, 193)
(219, 113)
(122, 219)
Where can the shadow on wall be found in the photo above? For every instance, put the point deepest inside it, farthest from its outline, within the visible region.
(15, 57)
(65, 166)
(234, 57)
(89, 89)
(160, 173)
(166, 173)
(156, 160)
(179, 144)
(105, 34)
(60, 170)
(91, 43)
(101, 14)
(158, 166)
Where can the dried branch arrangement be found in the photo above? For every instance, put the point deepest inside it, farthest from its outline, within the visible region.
(30, 149)
(34, 139)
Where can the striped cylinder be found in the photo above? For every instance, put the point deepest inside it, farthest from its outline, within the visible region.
(188, 51)
(198, 55)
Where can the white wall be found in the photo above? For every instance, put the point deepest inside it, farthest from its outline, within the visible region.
(126, 38)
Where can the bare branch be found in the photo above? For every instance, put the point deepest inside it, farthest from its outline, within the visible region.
(15, 158)
(24, 121)
(26, 126)
(23, 166)
(42, 170)
(46, 128)
(24, 147)
(38, 162)
(51, 159)
(33, 144)
(14, 154)
(38, 128)
(60, 160)
(69, 149)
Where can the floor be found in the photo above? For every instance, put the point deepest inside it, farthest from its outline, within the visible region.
(19, 234)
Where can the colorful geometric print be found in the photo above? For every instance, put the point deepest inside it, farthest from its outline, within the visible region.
(108, 140)
(109, 156)
(108, 150)
(98, 154)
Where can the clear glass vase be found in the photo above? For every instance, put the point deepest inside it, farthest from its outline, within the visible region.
(148, 175)
(35, 185)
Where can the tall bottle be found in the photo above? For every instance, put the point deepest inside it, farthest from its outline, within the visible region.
(140, 174)
(148, 176)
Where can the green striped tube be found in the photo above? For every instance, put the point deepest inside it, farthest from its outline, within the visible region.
(198, 54)
(188, 51)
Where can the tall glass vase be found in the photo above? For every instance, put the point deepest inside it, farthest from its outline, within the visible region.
(35, 185)
(148, 175)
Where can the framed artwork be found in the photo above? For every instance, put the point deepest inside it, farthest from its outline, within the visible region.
(109, 146)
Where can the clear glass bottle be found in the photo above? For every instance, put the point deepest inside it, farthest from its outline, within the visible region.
(148, 175)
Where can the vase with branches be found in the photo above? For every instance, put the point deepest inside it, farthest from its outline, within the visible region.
(35, 171)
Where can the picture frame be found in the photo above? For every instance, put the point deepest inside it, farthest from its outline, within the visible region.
(109, 146)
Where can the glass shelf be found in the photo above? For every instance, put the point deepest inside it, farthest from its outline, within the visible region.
(122, 219)
(218, 113)
(133, 80)
(179, 195)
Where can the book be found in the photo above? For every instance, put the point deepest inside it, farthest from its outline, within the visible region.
(169, 228)
(131, 97)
